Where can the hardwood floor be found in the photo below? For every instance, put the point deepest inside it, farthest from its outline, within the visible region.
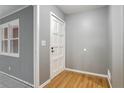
(68, 79)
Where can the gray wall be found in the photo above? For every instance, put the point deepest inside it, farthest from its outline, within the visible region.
(116, 15)
(45, 35)
(110, 41)
(21, 67)
(123, 47)
(88, 30)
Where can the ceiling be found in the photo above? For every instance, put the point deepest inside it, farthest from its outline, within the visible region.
(67, 9)
(71, 9)
(7, 9)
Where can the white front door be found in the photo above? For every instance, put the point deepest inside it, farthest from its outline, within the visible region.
(57, 45)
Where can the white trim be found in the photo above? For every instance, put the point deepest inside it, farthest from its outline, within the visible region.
(85, 72)
(23, 81)
(36, 45)
(10, 25)
(109, 78)
(14, 11)
(64, 42)
(10, 54)
(45, 83)
(109, 74)
(109, 82)
(53, 14)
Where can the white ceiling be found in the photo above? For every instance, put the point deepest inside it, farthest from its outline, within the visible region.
(7, 9)
(71, 9)
(67, 9)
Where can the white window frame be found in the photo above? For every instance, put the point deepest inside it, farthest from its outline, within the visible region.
(10, 25)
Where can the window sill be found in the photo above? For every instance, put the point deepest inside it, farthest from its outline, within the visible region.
(11, 55)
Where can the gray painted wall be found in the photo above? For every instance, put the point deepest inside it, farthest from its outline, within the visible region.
(45, 35)
(123, 47)
(116, 15)
(110, 41)
(21, 67)
(88, 30)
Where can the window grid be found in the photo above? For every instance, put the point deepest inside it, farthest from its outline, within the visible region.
(10, 39)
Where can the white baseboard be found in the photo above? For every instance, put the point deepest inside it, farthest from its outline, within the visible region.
(45, 83)
(109, 82)
(109, 74)
(109, 78)
(85, 72)
(25, 82)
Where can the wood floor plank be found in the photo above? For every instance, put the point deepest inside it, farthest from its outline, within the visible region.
(69, 79)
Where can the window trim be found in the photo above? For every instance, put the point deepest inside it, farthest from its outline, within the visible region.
(10, 26)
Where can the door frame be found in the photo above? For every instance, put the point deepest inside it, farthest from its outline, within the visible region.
(53, 14)
(36, 24)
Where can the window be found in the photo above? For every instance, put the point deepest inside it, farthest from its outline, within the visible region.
(9, 42)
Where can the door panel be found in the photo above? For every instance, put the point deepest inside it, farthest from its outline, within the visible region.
(57, 53)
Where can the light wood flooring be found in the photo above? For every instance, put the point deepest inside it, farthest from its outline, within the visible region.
(68, 79)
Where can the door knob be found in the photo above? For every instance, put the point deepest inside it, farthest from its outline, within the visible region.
(52, 49)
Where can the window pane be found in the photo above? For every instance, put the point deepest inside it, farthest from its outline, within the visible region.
(15, 32)
(1, 32)
(14, 46)
(6, 33)
(5, 46)
(11, 46)
(2, 47)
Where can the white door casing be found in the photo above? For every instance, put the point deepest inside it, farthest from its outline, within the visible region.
(57, 45)
(36, 32)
